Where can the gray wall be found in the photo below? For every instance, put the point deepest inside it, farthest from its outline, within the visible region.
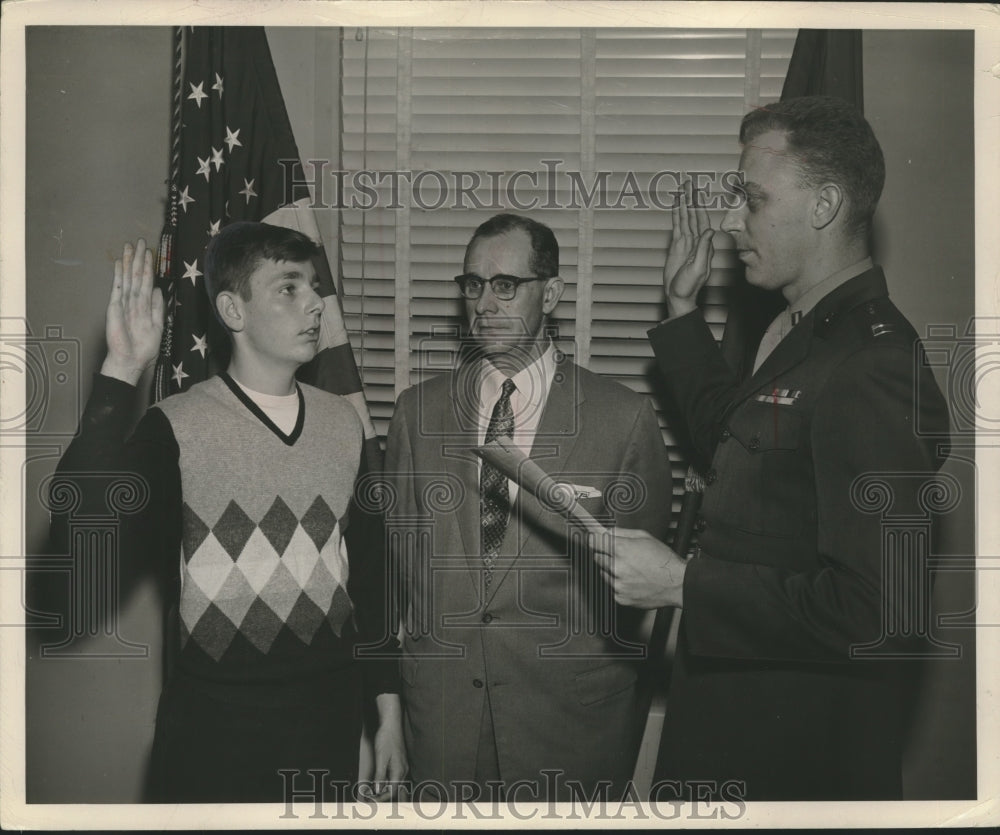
(97, 133)
(918, 98)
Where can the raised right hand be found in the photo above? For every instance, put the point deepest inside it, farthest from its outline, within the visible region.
(689, 259)
(134, 322)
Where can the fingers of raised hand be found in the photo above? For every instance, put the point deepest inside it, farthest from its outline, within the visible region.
(683, 226)
(705, 250)
(145, 282)
(128, 251)
(116, 283)
(157, 308)
(702, 215)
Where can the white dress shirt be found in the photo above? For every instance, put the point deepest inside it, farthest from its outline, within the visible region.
(527, 401)
(282, 409)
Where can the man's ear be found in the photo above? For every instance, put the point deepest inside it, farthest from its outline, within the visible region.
(829, 203)
(230, 310)
(554, 288)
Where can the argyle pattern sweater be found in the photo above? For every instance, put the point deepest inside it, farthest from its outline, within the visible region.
(254, 523)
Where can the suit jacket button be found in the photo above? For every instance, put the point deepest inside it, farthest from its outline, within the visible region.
(711, 476)
(700, 525)
(725, 436)
(477, 682)
(487, 618)
(754, 442)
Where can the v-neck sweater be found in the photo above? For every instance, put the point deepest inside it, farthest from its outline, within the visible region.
(253, 519)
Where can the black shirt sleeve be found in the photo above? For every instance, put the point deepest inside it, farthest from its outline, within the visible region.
(133, 479)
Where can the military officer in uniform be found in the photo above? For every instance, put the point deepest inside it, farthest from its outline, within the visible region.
(769, 693)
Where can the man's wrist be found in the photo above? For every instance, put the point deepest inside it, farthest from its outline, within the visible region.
(680, 307)
(389, 707)
(121, 371)
(677, 588)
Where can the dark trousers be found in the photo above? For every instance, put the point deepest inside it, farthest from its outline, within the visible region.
(230, 742)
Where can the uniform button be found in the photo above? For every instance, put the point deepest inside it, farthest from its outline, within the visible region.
(755, 442)
(711, 476)
(477, 682)
(700, 525)
(725, 436)
(487, 618)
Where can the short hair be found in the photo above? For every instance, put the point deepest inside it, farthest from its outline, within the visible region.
(234, 254)
(832, 142)
(544, 260)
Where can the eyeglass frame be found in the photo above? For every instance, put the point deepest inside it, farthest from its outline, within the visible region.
(462, 279)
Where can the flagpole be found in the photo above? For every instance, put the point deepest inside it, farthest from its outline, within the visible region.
(165, 253)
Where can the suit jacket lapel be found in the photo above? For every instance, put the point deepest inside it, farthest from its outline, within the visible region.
(787, 354)
(459, 434)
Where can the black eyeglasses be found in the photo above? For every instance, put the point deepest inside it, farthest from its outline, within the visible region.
(504, 286)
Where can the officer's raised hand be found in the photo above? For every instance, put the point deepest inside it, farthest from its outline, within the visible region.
(689, 259)
(134, 322)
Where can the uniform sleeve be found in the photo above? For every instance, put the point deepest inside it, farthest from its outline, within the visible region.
(648, 461)
(135, 477)
(700, 382)
(863, 424)
(368, 585)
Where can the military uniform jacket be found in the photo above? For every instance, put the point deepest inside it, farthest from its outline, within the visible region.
(789, 577)
(546, 643)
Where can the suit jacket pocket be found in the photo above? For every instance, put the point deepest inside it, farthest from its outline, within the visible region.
(594, 686)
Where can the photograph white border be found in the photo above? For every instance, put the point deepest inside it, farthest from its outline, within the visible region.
(983, 18)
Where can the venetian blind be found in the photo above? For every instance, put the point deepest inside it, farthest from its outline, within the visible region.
(578, 128)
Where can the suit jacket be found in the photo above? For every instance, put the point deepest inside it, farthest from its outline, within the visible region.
(766, 689)
(547, 642)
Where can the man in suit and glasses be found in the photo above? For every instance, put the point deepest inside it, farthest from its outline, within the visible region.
(518, 669)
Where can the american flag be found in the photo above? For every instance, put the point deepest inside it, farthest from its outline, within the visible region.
(234, 153)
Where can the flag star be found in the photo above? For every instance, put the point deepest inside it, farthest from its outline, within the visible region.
(191, 271)
(198, 93)
(204, 167)
(200, 344)
(248, 191)
(185, 198)
(232, 138)
(179, 374)
(218, 84)
(217, 159)
(213, 230)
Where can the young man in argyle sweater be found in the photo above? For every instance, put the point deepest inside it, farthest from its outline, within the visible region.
(251, 477)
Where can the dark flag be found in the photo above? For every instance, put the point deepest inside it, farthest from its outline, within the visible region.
(234, 152)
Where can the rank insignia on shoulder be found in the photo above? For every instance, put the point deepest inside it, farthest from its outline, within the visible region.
(881, 329)
(780, 397)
